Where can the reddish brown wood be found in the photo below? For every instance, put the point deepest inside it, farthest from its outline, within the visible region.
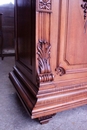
(50, 73)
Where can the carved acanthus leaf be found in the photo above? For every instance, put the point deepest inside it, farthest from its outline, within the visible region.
(44, 70)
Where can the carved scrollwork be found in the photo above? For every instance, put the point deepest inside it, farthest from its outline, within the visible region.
(44, 70)
(60, 71)
(45, 4)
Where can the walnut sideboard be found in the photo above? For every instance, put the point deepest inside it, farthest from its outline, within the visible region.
(50, 72)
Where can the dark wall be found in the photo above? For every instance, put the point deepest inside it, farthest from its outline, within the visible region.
(8, 25)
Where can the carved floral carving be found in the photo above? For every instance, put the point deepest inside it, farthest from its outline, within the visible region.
(45, 4)
(44, 70)
(84, 7)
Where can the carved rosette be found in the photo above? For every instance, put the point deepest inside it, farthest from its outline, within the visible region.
(44, 70)
(45, 5)
(60, 71)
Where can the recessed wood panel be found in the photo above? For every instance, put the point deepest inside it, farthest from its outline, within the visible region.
(73, 37)
(25, 37)
(76, 43)
(24, 25)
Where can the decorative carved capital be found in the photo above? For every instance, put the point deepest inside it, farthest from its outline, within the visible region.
(60, 71)
(44, 70)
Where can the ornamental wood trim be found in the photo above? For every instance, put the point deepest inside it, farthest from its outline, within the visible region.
(44, 69)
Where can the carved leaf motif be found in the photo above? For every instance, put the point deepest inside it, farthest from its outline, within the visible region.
(43, 56)
(44, 70)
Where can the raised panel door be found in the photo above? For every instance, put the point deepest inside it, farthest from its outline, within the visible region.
(73, 38)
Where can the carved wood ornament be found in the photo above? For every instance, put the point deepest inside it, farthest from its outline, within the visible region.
(44, 69)
(45, 4)
(60, 71)
(84, 7)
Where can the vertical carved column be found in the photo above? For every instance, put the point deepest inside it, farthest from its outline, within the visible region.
(43, 47)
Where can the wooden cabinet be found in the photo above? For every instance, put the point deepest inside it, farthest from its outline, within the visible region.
(50, 72)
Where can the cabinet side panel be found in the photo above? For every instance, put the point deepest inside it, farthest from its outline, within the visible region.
(25, 36)
(24, 32)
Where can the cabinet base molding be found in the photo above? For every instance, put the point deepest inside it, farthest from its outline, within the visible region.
(41, 104)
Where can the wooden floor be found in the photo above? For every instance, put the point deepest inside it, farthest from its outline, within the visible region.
(14, 117)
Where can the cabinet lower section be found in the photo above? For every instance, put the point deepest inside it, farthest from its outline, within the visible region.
(44, 101)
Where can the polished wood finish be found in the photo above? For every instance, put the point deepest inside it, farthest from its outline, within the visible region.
(50, 73)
